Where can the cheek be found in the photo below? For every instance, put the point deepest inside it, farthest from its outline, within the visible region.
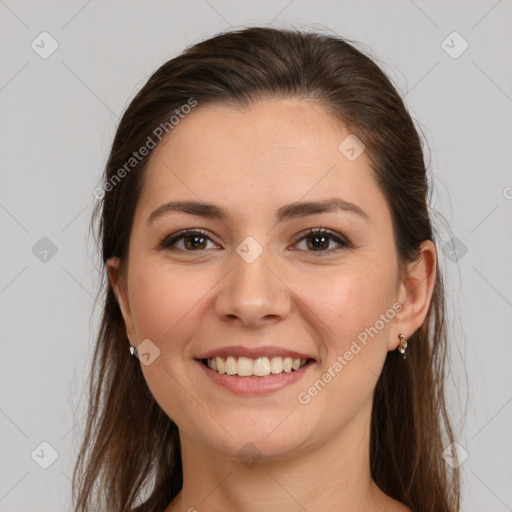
(346, 301)
(347, 309)
(344, 310)
(166, 306)
(163, 301)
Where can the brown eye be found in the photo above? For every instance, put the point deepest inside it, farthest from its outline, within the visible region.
(321, 240)
(189, 241)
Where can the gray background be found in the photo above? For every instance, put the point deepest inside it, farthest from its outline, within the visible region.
(59, 115)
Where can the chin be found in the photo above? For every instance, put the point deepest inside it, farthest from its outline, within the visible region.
(257, 435)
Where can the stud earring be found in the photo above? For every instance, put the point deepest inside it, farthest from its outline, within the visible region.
(403, 345)
(133, 351)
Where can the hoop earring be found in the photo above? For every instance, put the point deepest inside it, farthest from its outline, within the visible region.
(403, 345)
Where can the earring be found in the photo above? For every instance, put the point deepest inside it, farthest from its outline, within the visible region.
(133, 352)
(403, 345)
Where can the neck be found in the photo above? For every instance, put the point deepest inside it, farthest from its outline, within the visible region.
(333, 476)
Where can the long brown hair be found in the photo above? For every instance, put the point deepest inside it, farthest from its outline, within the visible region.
(130, 452)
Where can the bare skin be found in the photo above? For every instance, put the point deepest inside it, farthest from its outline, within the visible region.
(188, 299)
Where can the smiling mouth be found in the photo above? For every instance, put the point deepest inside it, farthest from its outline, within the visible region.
(260, 367)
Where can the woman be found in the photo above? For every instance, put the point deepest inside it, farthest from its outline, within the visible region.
(273, 333)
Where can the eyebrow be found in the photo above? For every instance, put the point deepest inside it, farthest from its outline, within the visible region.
(286, 212)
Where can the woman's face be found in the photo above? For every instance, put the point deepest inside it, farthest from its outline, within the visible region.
(255, 283)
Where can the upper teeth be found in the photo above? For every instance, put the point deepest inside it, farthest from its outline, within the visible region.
(245, 367)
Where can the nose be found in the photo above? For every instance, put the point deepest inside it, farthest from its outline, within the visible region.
(253, 294)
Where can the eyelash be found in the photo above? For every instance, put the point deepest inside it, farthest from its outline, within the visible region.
(170, 240)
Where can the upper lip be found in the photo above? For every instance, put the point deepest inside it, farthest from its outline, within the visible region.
(253, 353)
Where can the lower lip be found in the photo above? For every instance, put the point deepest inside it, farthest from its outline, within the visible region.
(255, 385)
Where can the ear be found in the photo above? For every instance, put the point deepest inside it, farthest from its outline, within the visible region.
(118, 283)
(415, 292)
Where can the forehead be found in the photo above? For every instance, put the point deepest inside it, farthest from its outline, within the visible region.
(256, 159)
